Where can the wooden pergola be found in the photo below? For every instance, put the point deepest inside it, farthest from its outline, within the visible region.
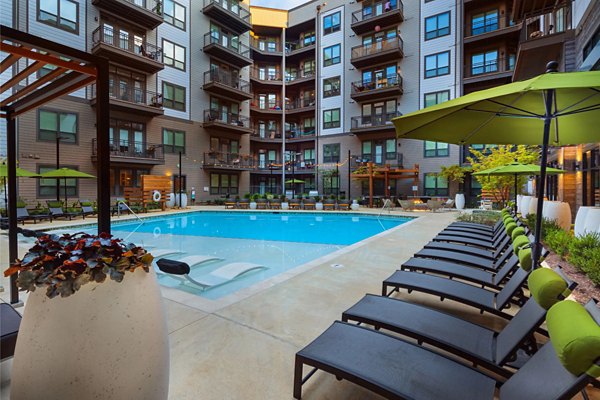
(386, 173)
(72, 70)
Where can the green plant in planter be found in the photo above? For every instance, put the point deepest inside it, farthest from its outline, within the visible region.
(318, 199)
(255, 196)
(237, 198)
(247, 196)
(64, 263)
(300, 196)
(584, 254)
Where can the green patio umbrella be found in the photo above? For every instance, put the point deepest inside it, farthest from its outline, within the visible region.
(553, 108)
(517, 169)
(66, 173)
(21, 173)
(294, 181)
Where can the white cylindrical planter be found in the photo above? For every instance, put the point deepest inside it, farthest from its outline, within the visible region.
(171, 202)
(107, 341)
(285, 205)
(533, 206)
(354, 206)
(318, 206)
(525, 201)
(559, 212)
(460, 201)
(581, 218)
(519, 198)
(183, 200)
(592, 221)
(253, 205)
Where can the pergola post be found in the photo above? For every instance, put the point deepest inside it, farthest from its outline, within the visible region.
(13, 251)
(102, 135)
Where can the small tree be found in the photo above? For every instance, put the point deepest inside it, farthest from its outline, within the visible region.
(454, 173)
(498, 156)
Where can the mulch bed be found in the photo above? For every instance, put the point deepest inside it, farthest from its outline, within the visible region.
(585, 289)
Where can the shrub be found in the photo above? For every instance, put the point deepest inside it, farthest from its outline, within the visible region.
(583, 253)
(559, 241)
(488, 217)
(548, 225)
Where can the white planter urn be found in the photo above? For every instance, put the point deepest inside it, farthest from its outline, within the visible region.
(559, 212)
(318, 206)
(525, 201)
(532, 206)
(285, 205)
(354, 206)
(253, 205)
(460, 201)
(581, 219)
(184, 200)
(592, 221)
(519, 199)
(107, 341)
(171, 202)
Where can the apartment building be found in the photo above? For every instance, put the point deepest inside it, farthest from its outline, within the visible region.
(250, 98)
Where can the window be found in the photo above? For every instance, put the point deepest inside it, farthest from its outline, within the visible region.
(390, 149)
(435, 185)
(431, 99)
(173, 96)
(437, 25)
(62, 14)
(47, 187)
(378, 150)
(308, 39)
(177, 181)
(591, 44)
(331, 55)
(331, 87)
(436, 149)
(55, 123)
(331, 182)
(309, 156)
(331, 153)
(226, 184)
(173, 55)
(331, 118)
(174, 14)
(437, 64)
(331, 23)
(483, 63)
(484, 22)
(173, 141)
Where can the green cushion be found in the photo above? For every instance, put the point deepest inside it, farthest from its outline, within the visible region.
(525, 259)
(546, 286)
(575, 336)
(519, 242)
(510, 227)
(507, 219)
(518, 231)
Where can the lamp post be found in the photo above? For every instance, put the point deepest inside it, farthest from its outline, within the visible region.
(349, 192)
(271, 178)
(179, 180)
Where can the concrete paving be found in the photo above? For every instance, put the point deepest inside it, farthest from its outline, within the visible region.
(244, 347)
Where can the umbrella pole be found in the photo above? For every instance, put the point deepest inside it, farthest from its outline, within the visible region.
(537, 245)
(516, 194)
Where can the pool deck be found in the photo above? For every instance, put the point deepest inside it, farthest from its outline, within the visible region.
(244, 348)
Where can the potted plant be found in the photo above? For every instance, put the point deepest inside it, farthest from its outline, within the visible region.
(95, 314)
(284, 203)
(319, 203)
(354, 206)
(455, 173)
(253, 199)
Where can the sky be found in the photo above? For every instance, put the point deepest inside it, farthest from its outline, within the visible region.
(283, 4)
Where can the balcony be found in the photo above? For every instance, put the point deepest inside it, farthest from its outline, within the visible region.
(132, 100)
(303, 76)
(129, 152)
(266, 135)
(266, 107)
(221, 46)
(494, 28)
(379, 52)
(226, 84)
(266, 47)
(377, 89)
(147, 13)
(299, 47)
(126, 49)
(484, 71)
(265, 76)
(300, 105)
(226, 122)
(373, 123)
(300, 135)
(220, 160)
(228, 13)
(376, 14)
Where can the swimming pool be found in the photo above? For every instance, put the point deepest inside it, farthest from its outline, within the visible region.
(276, 240)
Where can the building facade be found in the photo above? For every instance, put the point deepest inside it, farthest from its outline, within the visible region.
(256, 100)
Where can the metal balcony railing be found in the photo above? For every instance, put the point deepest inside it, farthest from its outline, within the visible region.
(367, 85)
(494, 66)
(375, 9)
(478, 27)
(225, 41)
(231, 6)
(299, 103)
(266, 132)
(152, 5)
(228, 79)
(377, 47)
(258, 104)
(235, 120)
(131, 149)
(263, 74)
(302, 74)
(126, 41)
(265, 45)
(298, 133)
(230, 160)
(132, 95)
(295, 45)
(373, 121)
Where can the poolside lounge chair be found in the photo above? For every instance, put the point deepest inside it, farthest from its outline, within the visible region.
(309, 204)
(344, 205)
(329, 205)
(23, 216)
(220, 276)
(294, 204)
(406, 205)
(261, 204)
(477, 344)
(57, 211)
(396, 369)
(448, 205)
(10, 321)
(87, 208)
(275, 204)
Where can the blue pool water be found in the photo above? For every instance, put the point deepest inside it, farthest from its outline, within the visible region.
(278, 241)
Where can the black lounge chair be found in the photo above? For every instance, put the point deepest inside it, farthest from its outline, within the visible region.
(57, 211)
(10, 321)
(23, 216)
(485, 300)
(475, 343)
(491, 253)
(482, 262)
(396, 369)
(87, 208)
